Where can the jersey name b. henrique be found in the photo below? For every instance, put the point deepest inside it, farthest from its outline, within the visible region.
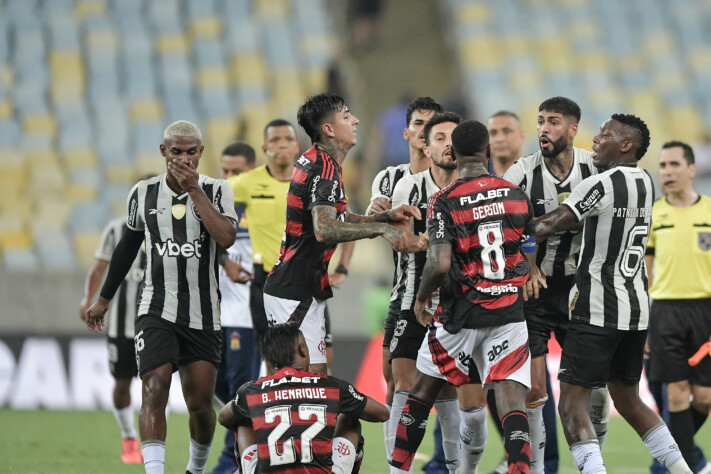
(293, 414)
(485, 220)
(302, 269)
(611, 281)
(181, 282)
(122, 311)
(264, 199)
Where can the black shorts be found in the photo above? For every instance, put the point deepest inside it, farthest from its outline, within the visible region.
(390, 322)
(159, 342)
(407, 337)
(122, 357)
(545, 315)
(677, 328)
(593, 356)
(329, 337)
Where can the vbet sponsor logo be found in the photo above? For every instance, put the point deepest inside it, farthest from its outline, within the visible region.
(174, 249)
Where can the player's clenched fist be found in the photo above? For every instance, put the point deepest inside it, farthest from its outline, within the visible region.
(404, 212)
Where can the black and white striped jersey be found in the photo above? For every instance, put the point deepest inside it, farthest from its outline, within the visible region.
(383, 186)
(415, 190)
(557, 256)
(611, 281)
(122, 312)
(181, 283)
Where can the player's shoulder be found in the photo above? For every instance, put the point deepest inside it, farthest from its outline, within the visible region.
(410, 180)
(347, 387)
(530, 161)
(144, 183)
(206, 180)
(116, 222)
(583, 156)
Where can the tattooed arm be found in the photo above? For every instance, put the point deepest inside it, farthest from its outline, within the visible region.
(399, 214)
(439, 259)
(327, 228)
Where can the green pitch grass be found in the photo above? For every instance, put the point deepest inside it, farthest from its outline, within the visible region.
(88, 442)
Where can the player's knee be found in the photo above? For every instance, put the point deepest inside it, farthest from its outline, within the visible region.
(702, 398)
(537, 395)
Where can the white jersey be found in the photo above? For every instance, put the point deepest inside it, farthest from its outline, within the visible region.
(611, 281)
(556, 256)
(235, 312)
(181, 268)
(415, 190)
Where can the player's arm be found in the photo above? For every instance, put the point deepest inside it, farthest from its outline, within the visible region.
(91, 285)
(380, 194)
(230, 418)
(561, 218)
(439, 259)
(354, 403)
(374, 411)
(328, 229)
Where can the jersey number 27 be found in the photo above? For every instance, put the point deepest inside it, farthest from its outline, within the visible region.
(288, 454)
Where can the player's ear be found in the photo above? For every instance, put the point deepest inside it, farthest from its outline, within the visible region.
(163, 149)
(404, 133)
(327, 130)
(573, 129)
(626, 146)
(488, 150)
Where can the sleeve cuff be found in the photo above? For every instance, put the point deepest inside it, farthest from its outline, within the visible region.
(573, 210)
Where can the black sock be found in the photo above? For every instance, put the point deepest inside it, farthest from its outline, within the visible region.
(360, 452)
(410, 431)
(494, 412)
(699, 419)
(681, 425)
(517, 442)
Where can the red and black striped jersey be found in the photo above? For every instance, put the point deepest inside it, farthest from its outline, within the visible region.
(302, 269)
(485, 220)
(293, 415)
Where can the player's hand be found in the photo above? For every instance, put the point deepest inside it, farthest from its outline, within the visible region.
(404, 212)
(424, 240)
(95, 316)
(435, 294)
(536, 280)
(184, 171)
(83, 308)
(423, 317)
(236, 272)
(379, 204)
(335, 279)
(396, 237)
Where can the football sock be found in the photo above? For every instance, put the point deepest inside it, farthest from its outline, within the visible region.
(600, 413)
(386, 435)
(399, 400)
(699, 419)
(473, 430)
(587, 457)
(538, 437)
(410, 431)
(124, 418)
(153, 451)
(681, 425)
(343, 455)
(661, 444)
(448, 415)
(517, 441)
(198, 457)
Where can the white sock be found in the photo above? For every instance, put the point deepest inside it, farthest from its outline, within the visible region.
(153, 451)
(448, 414)
(399, 401)
(124, 418)
(538, 438)
(386, 437)
(600, 413)
(343, 455)
(473, 431)
(587, 457)
(661, 444)
(198, 457)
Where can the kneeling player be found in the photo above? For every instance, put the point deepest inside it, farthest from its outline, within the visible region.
(294, 419)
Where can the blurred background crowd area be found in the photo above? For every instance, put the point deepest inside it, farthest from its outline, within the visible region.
(88, 86)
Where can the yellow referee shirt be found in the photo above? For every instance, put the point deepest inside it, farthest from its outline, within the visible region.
(680, 241)
(264, 199)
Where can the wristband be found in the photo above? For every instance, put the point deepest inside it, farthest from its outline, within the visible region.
(341, 269)
(529, 245)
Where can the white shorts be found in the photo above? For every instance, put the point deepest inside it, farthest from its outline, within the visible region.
(250, 459)
(499, 353)
(310, 317)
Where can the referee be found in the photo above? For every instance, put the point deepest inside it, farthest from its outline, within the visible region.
(680, 320)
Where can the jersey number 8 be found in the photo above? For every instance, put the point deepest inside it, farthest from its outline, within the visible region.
(491, 239)
(288, 455)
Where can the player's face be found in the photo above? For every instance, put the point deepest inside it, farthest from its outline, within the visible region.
(414, 131)
(182, 148)
(280, 145)
(506, 137)
(555, 133)
(675, 173)
(233, 166)
(440, 147)
(343, 127)
(606, 144)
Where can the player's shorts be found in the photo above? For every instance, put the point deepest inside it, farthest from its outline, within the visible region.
(677, 328)
(593, 355)
(122, 357)
(249, 460)
(308, 314)
(407, 337)
(390, 323)
(327, 319)
(471, 355)
(159, 342)
(545, 315)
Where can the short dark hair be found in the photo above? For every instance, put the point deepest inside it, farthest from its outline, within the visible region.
(561, 105)
(421, 103)
(277, 123)
(688, 151)
(316, 110)
(278, 344)
(241, 149)
(641, 132)
(469, 138)
(505, 113)
(437, 118)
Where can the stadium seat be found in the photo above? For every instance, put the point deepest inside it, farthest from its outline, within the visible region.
(85, 244)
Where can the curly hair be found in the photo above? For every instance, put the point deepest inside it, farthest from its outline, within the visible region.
(469, 138)
(641, 132)
(437, 118)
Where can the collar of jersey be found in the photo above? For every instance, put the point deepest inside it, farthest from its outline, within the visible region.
(169, 190)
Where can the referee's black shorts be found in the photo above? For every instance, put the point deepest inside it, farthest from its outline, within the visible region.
(677, 328)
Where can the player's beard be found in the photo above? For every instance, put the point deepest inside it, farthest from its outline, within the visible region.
(445, 165)
(558, 147)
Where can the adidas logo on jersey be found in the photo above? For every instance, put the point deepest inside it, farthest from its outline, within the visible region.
(173, 249)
